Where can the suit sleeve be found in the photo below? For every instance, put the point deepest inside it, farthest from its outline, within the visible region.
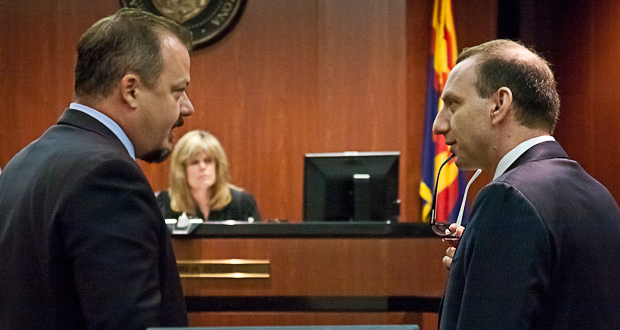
(112, 232)
(502, 263)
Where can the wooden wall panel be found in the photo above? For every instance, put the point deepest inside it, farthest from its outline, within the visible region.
(604, 91)
(37, 53)
(361, 76)
(306, 318)
(322, 267)
(419, 32)
(346, 267)
(590, 119)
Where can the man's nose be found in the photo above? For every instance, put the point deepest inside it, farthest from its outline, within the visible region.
(441, 124)
(186, 106)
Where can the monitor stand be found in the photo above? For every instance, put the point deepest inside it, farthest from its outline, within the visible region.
(361, 197)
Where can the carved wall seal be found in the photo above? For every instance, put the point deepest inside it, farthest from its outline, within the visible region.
(209, 20)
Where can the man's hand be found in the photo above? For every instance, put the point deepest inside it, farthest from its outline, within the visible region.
(447, 260)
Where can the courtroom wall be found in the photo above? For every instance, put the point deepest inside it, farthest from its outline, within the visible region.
(293, 77)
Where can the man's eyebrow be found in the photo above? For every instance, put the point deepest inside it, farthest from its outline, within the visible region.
(181, 85)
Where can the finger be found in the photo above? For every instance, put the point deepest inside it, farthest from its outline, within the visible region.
(450, 252)
(459, 231)
(447, 262)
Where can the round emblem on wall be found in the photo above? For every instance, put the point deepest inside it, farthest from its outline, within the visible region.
(209, 20)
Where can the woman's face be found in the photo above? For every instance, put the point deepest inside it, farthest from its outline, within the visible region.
(201, 171)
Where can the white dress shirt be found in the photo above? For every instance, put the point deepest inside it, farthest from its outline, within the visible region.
(513, 154)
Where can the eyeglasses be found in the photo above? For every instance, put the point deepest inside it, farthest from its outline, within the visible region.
(441, 228)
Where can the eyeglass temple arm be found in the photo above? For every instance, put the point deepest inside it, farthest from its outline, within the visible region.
(433, 217)
(460, 216)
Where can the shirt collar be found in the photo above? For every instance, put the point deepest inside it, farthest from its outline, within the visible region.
(109, 123)
(515, 153)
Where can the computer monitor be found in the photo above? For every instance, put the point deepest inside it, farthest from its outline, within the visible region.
(351, 186)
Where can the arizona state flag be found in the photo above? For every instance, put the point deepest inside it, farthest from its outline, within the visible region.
(434, 152)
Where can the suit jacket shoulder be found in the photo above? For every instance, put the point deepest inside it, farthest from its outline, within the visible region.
(96, 217)
(527, 255)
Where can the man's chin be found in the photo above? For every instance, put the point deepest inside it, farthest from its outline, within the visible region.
(463, 165)
(157, 155)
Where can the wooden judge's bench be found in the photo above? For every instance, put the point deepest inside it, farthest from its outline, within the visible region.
(311, 273)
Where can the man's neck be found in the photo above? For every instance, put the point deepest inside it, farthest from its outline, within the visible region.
(510, 139)
(511, 156)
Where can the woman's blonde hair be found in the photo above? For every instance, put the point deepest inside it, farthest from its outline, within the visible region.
(188, 147)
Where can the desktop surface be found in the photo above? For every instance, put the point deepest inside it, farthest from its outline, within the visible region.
(354, 229)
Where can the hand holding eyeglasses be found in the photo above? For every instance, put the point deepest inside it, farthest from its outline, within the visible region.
(458, 232)
(445, 230)
(450, 233)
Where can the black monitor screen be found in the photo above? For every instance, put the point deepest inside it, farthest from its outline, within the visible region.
(351, 186)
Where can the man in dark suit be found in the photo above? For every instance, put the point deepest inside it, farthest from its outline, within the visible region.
(83, 243)
(539, 251)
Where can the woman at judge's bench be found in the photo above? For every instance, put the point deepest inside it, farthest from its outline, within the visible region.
(199, 183)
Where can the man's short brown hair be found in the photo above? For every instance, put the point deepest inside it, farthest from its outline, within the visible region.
(530, 79)
(128, 41)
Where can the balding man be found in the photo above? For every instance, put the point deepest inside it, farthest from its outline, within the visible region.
(539, 251)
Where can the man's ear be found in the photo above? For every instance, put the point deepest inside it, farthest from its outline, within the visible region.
(128, 85)
(502, 104)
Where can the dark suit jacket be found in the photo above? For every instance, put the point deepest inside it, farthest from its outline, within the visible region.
(242, 206)
(540, 251)
(82, 241)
